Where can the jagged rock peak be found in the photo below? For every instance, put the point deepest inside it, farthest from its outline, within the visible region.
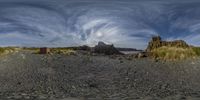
(100, 43)
(103, 48)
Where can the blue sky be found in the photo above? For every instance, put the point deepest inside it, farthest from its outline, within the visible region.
(124, 23)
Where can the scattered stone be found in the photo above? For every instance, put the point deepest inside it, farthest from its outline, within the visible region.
(42, 97)
(141, 55)
(129, 81)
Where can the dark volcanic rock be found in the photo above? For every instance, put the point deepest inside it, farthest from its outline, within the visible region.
(157, 42)
(103, 48)
(85, 48)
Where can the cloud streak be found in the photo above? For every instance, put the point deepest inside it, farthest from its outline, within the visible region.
(125, 23)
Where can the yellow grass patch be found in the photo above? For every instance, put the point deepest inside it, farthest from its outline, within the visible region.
(7, 50)
(196, 50)
(64, 51)
(173, 53)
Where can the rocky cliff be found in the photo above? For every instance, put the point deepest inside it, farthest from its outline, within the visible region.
(157, 42)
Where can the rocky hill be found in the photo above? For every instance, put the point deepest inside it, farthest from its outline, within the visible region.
(170, 50)
(157, 42)
(103, 48)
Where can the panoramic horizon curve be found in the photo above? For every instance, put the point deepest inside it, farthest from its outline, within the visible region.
(124, 23)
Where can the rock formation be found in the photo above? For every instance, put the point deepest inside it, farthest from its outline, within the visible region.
(103, 48)
(157, 42)
(85, 48)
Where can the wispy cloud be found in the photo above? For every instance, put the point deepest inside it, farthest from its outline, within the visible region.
(125, 23)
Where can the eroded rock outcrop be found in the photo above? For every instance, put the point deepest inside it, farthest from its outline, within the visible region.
(157, 42)
(103, 48)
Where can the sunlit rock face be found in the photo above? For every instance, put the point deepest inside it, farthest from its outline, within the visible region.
(157, 42)
(124, 23)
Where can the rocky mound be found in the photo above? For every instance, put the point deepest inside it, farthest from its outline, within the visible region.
(103, 48)
(157, 42)
(85, 48)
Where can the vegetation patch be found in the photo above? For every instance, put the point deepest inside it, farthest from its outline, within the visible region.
(7, 50)
(196, 50)
(64, 51)
(173, 53)
(2, 50)
(34, 50)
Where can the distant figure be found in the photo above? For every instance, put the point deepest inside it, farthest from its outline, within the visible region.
(44, 50)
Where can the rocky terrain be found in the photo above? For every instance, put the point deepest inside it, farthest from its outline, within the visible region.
(170, 50)
(28, 76)
(157, 42)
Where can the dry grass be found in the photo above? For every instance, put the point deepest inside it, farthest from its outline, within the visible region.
(2, 50)
(196, 50)
(33, 50)
(7, 50)
(64, 51)
(173, 53)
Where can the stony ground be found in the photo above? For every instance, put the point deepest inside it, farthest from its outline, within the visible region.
(27, 76)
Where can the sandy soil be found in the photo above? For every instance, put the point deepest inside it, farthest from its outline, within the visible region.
(27, 76)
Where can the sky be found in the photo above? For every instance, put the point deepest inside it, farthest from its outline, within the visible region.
(124, 23)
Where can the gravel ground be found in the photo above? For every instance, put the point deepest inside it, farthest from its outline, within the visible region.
(27, 76)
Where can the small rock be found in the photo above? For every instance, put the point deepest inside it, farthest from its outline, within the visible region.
(27, 97)
(42, 97)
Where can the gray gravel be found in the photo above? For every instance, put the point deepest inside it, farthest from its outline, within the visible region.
(27, 76)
